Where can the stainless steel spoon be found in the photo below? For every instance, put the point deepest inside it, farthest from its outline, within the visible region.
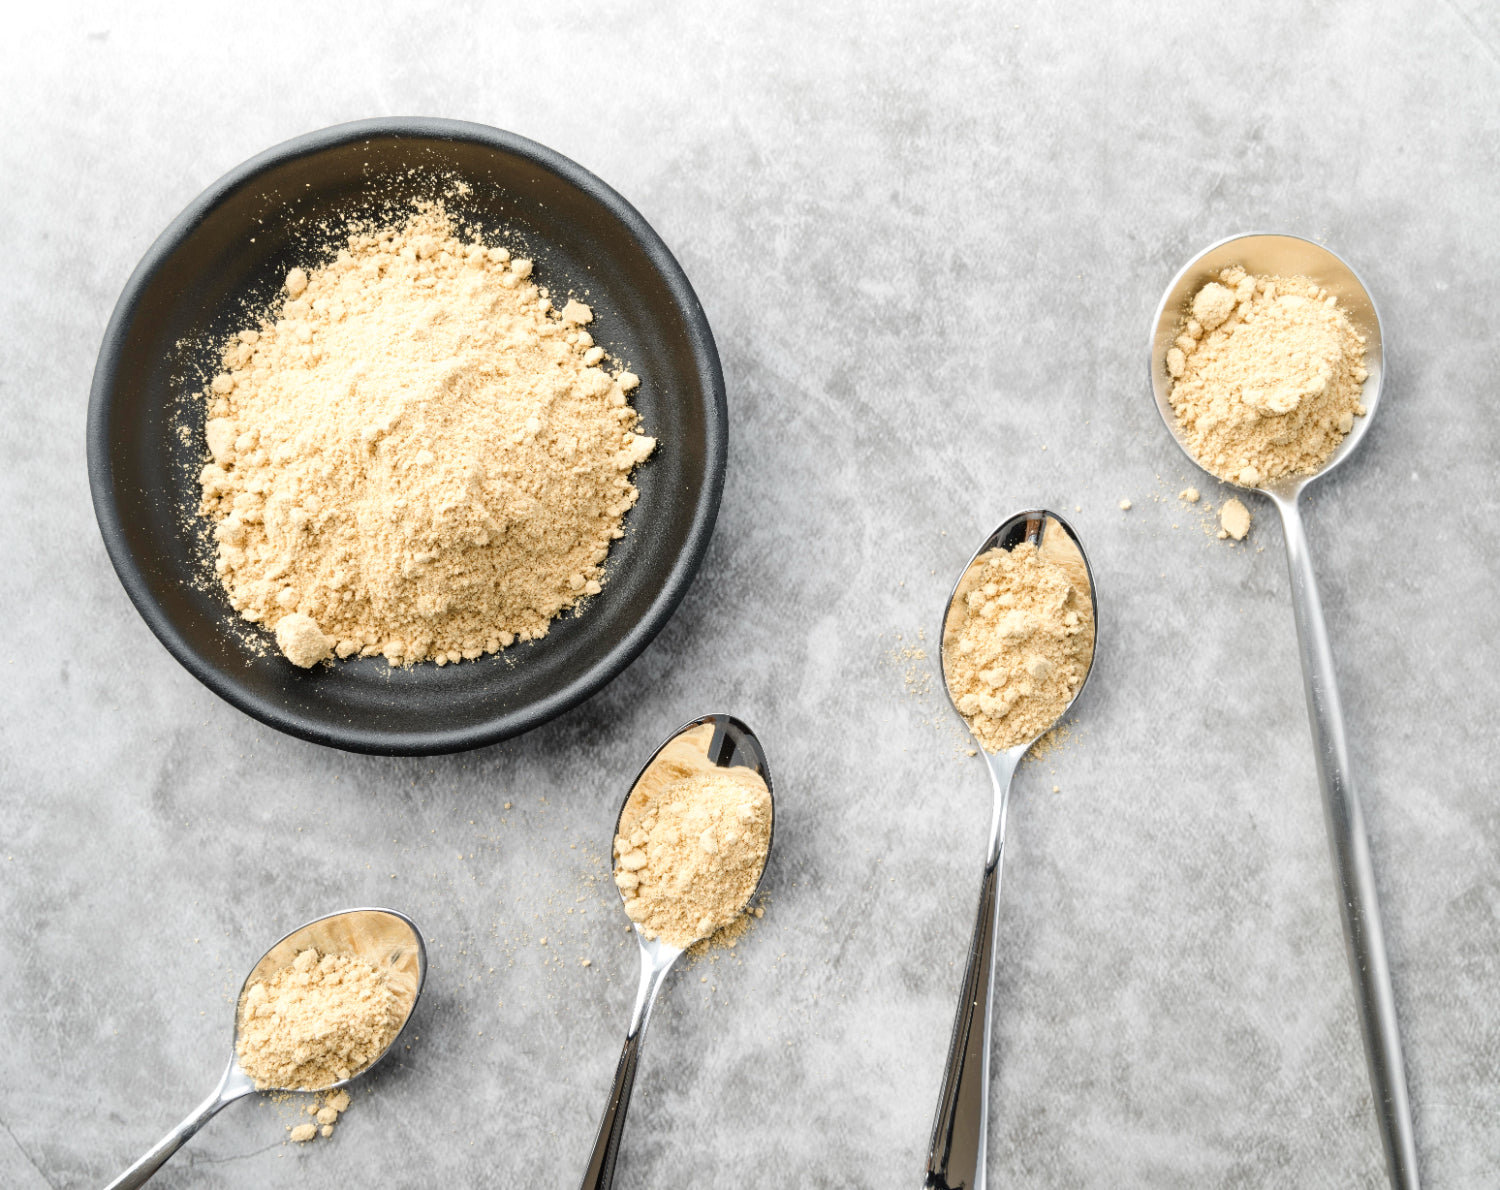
(1286, 255)
(382, 937)
(956, 1156)
(720, 741)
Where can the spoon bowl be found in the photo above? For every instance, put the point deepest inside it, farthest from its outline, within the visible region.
(956, 1155)
(387, 940)
(1055, 540)
(714, 741)
(1266, 254)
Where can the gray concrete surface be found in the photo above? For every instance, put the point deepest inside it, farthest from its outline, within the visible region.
(929, 242)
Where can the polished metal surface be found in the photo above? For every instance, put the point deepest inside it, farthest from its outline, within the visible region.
(960, 1127)
(724, 742)
(1291, 255)
(381, 937)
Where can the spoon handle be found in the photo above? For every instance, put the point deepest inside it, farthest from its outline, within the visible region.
(1350, 846)
(231, 1087)
(600, 1174)
(601, 1169)
(956, 1158)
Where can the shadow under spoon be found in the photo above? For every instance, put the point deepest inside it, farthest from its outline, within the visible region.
(1286, 255)
(956, 1155)
(720, 741)
(387, 940)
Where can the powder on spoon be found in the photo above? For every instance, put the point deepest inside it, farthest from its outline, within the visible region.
(690, 852)
(1019, 639)
(1266, 376)
(414, 455)
(319, 1020)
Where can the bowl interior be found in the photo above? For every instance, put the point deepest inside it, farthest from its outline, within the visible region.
(226, 256)
(1271, 255)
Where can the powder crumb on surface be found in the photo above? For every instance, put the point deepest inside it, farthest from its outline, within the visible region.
(1018, 639)
(414, 453)
(1189, 495)
(692, 843)
(1125, 505)
(319, 1020)
(325, 1111)
(1265, 376)
(1234, 519)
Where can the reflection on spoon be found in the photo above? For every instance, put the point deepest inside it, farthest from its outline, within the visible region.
(1026, 596)
(386, 940)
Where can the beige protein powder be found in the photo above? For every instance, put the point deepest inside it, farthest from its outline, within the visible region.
(1265, 376)
(317, 1021)
(1019, 639)
(692, 842)
(415, 455)
(1234, 519)
(325, 1111)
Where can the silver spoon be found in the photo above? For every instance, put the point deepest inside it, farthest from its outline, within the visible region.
(720, 741)
(1286, 255)
(956, 1156)
(382, 937)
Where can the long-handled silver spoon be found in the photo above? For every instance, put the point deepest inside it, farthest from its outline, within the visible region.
(956, 1157)
(1284, 255)
(714, 741)
(385, 939)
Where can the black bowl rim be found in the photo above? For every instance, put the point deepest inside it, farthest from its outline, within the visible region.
(352, 737)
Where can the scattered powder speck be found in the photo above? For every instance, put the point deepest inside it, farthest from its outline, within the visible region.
(325, 1110)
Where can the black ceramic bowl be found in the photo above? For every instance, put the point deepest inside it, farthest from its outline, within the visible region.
(232, 246)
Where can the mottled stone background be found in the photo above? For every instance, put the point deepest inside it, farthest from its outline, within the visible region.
(929, 240)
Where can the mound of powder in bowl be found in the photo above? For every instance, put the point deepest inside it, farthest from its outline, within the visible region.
(1019, 639)
(690, 851)
(317, 1021)
(1266, 376)
(417, 456)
